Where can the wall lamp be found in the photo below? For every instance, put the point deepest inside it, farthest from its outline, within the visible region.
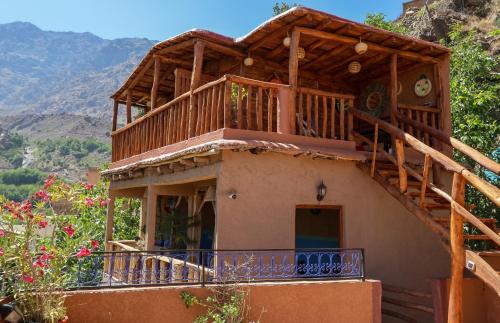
(321, 191)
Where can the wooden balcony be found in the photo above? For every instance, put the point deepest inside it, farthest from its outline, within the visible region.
(239, 103)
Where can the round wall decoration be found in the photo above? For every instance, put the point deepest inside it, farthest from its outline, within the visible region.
(423, 86)
(374, 99)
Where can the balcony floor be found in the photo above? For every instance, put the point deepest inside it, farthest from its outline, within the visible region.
(242, 139)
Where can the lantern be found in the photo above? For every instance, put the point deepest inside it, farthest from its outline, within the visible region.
(354, 67)
(361, 48)
(321, 191)
(248, 61)
(286, 41)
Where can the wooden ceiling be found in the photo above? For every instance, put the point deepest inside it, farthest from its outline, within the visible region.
(327, 56)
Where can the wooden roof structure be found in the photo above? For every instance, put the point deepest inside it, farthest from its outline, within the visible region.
(328, 42)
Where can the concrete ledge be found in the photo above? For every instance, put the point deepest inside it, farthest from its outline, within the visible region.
(298, 301)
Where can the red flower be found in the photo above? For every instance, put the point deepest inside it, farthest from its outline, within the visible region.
(49, 181)
(86, 186)
(1, 252)
(42, 195)
(89, 201)
(2, 233)
(43, 248)
(84, 252)
(38, 263)
(69, 230)
(27, 278)
(95, 244)
(42, 224)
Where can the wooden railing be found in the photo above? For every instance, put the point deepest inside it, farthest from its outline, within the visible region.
(322, 114)
(122, 268)
(461, 177)
(429, 116)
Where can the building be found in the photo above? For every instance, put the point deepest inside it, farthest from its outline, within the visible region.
(310, 132)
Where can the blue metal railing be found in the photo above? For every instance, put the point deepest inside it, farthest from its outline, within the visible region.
(165, 267)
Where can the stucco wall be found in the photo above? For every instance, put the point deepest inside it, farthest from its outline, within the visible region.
(399, 249)
(342, 301)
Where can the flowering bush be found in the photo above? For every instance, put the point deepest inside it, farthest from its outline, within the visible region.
(42, 242)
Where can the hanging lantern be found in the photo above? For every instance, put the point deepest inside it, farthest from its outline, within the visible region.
(361, 47)
(301, 53)
(248, 61)
(286, 41)
(354, 67)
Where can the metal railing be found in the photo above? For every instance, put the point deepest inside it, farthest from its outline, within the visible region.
(200, 267)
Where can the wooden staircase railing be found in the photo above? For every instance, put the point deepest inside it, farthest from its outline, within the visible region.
(409, 182)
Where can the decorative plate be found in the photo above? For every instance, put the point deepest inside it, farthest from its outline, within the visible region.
(423, 86)
(374, 99)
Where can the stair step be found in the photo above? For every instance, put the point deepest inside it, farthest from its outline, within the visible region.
(447, 219)
(438, 206)
(476, 237)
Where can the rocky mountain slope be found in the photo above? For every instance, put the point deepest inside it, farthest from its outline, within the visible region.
(45, 72)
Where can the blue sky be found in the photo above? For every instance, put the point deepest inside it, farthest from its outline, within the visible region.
(156, 19)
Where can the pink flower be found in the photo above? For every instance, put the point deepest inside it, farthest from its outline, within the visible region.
(27, 278)
(89, 201)
(95, 244)
(43, 248)
(105, 202)
(42, 224)
(84, 252)
(69, 230)
(1, 252)
(42, 195)
(2, 233)
(86, 186)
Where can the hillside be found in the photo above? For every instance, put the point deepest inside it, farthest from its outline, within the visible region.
(54, 72)
(54, 97)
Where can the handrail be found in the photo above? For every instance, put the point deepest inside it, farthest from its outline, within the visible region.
(151, 113)
(123, 246)
(324, 93)
(241, 79)
(486, 188)
(454, 143)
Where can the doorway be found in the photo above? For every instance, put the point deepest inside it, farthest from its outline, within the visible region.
(318, 227)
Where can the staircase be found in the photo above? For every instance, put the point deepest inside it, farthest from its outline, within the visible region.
(411, 173)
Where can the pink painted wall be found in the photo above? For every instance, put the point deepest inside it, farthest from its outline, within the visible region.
(341, 301)
(399, 249)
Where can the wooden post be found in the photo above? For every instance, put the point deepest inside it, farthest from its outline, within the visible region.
(129, 106)
(156, 82)
(425, 179)
(115, 115)
(199, 48)
(109, 219)
(394, 88)
(227, 104)
(293, 73)
(151, 217)
(350, 121)
(374, 154)
(400, 154)
(283, 113)
(455, 313)
(144, 216)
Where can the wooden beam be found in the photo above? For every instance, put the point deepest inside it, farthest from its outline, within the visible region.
(176, 47)
(151, 217)
(374, 155)
(115, 115)
(371, 46)
(199, 49)
(156, 82)
(276, 34)
(129, 106)
(425, 179)
(394, 88)
(225, 50)
(455, 305)
(325, 57)
(403, 176)
(169, 60)
(293, 67)
(110, 219)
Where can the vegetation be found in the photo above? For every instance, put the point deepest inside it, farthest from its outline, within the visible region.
(41, 247)
(18, 184)
(379, 20)
(280, 7)
(12, 148)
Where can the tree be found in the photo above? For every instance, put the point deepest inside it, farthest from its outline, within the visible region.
(279, 8)
(380, 20)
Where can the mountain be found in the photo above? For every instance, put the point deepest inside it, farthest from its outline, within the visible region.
(46, 72)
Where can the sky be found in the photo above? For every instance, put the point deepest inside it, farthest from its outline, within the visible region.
(159, 20)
